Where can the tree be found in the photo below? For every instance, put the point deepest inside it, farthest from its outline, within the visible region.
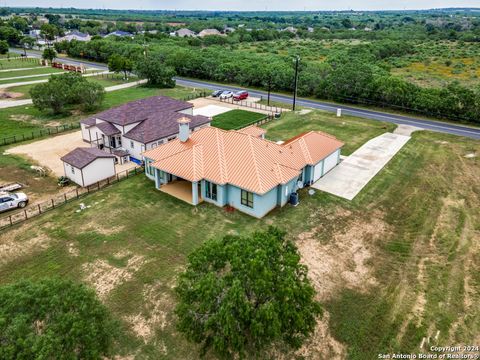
(53, 319)
(157, 73)
(241, 295)
(67, 89)
(3, 47)
(27, 42)
(118, 63)
(49, 54)
(90, 95)
(49, 32)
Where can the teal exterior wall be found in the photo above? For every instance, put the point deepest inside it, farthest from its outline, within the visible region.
(149, 171)
(284, 192)
(262, 204)
(221, 195)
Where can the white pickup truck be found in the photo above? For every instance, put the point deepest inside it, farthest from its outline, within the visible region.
(9, 201)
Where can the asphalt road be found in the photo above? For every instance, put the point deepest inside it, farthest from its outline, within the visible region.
(438, 126)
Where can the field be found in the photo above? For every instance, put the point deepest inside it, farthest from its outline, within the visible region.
(397, 264)
(235, 119)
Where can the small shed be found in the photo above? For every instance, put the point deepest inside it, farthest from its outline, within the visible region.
(86, 166)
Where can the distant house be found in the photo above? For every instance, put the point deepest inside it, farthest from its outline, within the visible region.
(239, 169)
(310, 29)
(209, 32)
(184, 33)
(75, 35)
(87, 166)
(367, 29)
(228, 30)
(129, 129)
(119, 33)
(290, 29)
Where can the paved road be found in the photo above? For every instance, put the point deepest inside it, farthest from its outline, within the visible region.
(460, 130)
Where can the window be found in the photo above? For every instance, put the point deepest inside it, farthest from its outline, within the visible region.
(247, 198)
(210, 190)
(300, 178)
(73, 170)
(132, 145)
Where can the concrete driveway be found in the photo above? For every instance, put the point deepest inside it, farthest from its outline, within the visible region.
(352, 174)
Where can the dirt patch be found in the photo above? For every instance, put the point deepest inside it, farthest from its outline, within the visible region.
(343, 260)
(158, 304)
(10, 95)
(105, 277)
(73, 250)
(22, 118)
(12, 248)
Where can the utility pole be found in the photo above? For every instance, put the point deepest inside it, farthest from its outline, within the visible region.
(297, 60)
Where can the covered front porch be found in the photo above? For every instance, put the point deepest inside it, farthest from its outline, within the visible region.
(184, 190)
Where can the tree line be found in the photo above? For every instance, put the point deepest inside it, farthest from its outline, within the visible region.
(353, 75)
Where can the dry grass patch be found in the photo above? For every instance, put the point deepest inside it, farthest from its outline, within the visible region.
(105, 277)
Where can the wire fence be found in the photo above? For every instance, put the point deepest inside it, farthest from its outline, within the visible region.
(195, 96)
(37, 209)
(38, 133)
(252, 105)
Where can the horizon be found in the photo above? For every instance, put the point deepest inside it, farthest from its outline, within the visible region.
(242, 6)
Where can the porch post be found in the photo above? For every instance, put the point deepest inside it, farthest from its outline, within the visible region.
(195, 192)
(157, 178)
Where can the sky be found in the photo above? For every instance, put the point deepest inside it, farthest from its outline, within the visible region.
(272, 5)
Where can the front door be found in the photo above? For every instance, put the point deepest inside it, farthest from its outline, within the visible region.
(112, 142)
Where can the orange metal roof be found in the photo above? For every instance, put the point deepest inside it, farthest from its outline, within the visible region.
(253, 130)
(241, 159)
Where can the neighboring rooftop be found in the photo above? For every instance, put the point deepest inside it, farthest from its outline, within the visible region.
(253, 130)
(81, 157)
(209, 32)
(138, 110)
(241, 159)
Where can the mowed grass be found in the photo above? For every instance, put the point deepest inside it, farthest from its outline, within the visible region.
(236, 119)
(37, 71)
(18, 63)
(351, 130)
(423, 267)
(22, 120)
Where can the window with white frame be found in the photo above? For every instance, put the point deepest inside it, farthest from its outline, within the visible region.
(73, 169)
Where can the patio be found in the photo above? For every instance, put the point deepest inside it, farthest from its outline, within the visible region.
(181, 189)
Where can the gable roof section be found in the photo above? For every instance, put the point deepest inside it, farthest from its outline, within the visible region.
(139, 110)
(81, 157)
(240, 159)
(253, 130)
(161, 125)
(107, 128)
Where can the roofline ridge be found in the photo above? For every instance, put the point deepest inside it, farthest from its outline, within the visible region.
(221, 151)
(255, 163)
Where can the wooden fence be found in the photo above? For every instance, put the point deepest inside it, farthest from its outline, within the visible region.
(34, 210)
(261, 121)
(38, 133)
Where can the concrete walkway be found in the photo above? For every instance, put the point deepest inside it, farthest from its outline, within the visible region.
(23, 69)
(351, 175)
(31, 76)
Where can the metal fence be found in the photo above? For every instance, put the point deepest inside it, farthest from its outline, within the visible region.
(38, 133)
(195, 96)
(252, 105)
(37, 209)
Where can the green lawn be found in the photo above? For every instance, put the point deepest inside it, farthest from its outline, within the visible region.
(236, 119)
(351, 130)
(25, 119)
(401, 260)
(36, 71)
(18, 63)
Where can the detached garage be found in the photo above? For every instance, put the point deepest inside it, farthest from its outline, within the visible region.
(86, 166)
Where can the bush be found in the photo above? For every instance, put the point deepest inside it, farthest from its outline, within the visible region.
(3, 47)
(157, 73)
(242, 295)
(53, 319)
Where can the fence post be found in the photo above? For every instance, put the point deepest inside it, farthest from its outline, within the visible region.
(76, 190)
(98, 185)
(26, 216)
(53, 204)
(10, 218)
(39, 209)
(65, 197)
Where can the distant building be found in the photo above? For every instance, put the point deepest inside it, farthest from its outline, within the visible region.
(367, 29)
(75, 35)
(184, 33)
(227, 29)
(310, 29)
(119, 33)
(290, 29)
(209, 32)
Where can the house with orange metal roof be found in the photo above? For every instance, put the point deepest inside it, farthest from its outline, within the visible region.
(239, 169)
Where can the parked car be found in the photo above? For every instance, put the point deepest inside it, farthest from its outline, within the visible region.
(240, 95)
(217, 93)
(9, 201)
(226, 95)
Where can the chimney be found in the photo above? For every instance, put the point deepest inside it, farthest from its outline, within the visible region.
(184, 129)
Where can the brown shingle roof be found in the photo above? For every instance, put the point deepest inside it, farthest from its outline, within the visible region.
(81, 157)
(161, 125)
(138, 110)
(107, 128)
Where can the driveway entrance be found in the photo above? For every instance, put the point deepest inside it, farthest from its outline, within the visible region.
(351, 175)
